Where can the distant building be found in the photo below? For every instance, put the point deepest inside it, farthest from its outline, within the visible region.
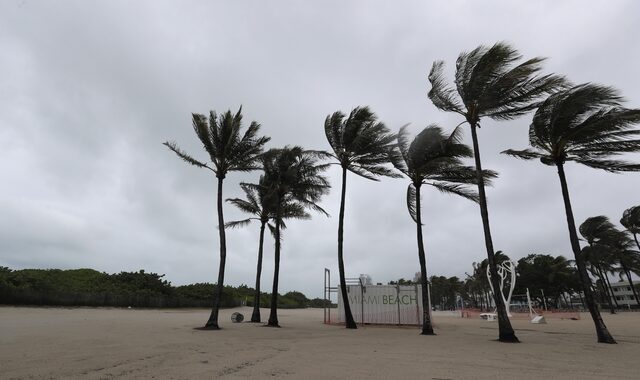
(365, 279)
(623, 293)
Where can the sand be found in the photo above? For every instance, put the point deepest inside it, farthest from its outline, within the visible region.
(97, 343)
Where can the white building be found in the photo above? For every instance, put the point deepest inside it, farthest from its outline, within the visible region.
(623, 293)
(365, 279)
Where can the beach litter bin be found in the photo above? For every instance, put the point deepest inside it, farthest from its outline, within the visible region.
(237, 317)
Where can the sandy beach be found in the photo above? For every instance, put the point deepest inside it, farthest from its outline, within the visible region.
(58, 343)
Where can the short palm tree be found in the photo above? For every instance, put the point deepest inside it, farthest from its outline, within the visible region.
(585, 124)
(631, 221)
(624, 252)
(256, 204)
(490, 84)
(617, 248)
(360, 145)
(595, 231)
(292, 175)
(434, 159)
(229, 150)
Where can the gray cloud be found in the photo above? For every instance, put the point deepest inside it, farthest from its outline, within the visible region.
(91, 90)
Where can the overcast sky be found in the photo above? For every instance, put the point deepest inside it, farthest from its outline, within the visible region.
(89, 90)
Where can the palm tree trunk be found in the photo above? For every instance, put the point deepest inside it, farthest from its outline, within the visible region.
(350, 322)
(427, 327)
(273, 316)
(255, 316)
(633, 288)
(635, 237)
(601, 329)
(212, 323)
(506, 333)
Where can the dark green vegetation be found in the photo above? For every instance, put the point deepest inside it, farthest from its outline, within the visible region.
(87, 287)
(553, 277)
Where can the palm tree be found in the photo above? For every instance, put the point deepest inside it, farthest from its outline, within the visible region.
(256, 204)
(292, 175)
(489, 84)
(585, 124)
(594, 230)
(436, 160)
(624, 253)
(631, 221)
(360, 145)
(228, 151)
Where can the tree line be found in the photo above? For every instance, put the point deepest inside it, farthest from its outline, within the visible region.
(582, 123)
(88, 287)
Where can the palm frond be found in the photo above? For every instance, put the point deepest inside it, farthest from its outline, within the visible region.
(360, 142)
(411, 202)
(184, 156)
(237, 223)
(442, 96)
(631, 219)
(612, 166)
(525, 154)
(456, 189)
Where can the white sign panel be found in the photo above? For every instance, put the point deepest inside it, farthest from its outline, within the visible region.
(383, 304)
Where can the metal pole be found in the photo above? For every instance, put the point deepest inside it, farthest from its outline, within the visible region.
(361, 302)
(324, 294)
(429, 297)
(544, 300)
(398, 303)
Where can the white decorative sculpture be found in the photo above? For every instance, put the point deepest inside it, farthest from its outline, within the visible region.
(506, 269)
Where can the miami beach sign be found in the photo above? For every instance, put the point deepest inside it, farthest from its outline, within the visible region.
(383, 304)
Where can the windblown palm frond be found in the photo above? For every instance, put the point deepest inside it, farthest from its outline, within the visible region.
(490, 83)
(596, 228)
(360, 142)
(411, 202)
(631, 220)
(228, 149)
(435, 159)
(585, 124)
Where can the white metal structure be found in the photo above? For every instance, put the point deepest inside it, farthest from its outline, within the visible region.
(506, 270)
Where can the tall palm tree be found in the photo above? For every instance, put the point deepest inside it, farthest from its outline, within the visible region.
(257, 204)
(292, 175)
(490, 84)
(229, 150)
(434, 159)
(631, 221)
(360, 145)
(585, 124)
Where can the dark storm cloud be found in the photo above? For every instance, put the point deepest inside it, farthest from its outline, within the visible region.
(89, 91)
